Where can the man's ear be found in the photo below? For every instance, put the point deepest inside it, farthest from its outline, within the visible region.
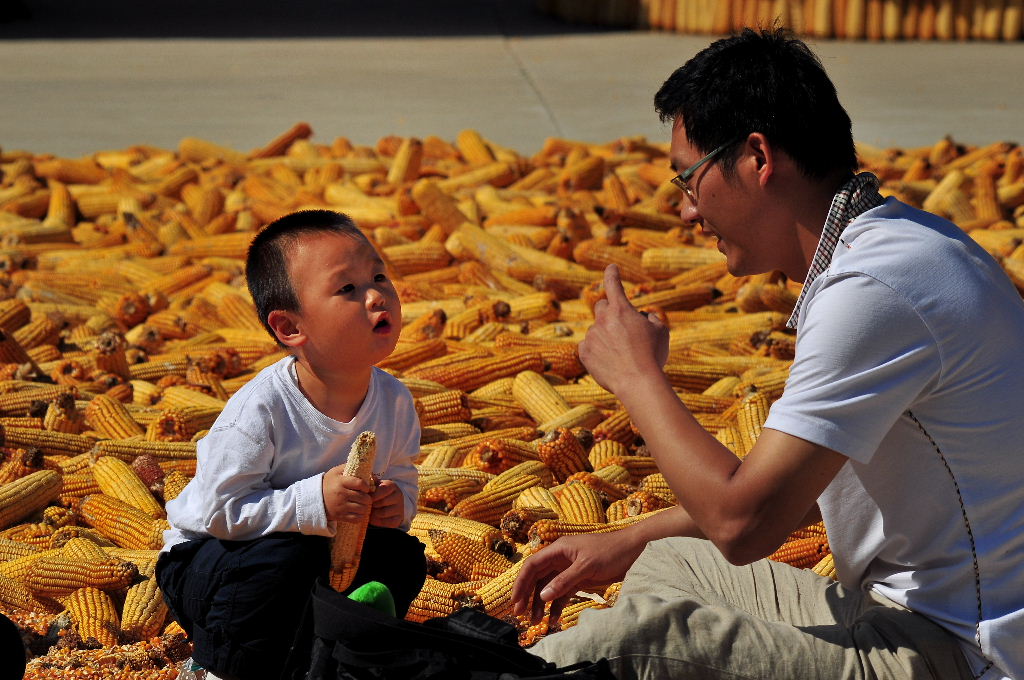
(762, 155)
(286, 328)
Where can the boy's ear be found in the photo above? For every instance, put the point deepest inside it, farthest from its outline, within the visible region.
(286, 328)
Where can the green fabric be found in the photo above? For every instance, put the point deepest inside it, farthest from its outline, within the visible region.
(375, 594)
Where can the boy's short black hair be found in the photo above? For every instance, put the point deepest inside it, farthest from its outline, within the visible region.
(761, 81)
(266, 265)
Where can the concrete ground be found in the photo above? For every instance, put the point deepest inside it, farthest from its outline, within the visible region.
(82, 77)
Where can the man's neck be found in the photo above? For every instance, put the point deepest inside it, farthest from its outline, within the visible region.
(809, 219)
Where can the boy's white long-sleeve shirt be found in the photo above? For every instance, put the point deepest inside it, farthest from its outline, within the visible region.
(260, 468)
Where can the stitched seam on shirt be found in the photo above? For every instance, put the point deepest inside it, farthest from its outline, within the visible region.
(970, 536)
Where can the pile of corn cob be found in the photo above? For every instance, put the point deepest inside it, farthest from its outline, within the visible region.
(125, 325)
(843, 19)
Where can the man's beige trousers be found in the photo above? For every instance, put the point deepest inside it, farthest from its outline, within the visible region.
(685, 612)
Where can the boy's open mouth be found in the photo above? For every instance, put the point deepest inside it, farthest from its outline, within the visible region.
(382, 326)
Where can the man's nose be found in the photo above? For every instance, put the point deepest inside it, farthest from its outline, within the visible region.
(688, 211)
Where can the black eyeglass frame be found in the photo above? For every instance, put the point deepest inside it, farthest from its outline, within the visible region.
(681, 180)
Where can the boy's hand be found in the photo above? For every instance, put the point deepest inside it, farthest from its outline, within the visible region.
(388, 505)
(346, 499)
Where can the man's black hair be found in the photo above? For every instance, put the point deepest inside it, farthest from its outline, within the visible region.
(761, 81)
(266, 265)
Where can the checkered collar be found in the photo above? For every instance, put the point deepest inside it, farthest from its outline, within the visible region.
(858, 195)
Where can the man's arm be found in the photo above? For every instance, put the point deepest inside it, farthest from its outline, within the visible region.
(746, 508)
(574, 563)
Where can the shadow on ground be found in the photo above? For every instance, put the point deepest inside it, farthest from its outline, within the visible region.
(50, 19)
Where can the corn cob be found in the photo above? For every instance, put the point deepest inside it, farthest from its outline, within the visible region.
(62, 415)
(571, 613)
(409, 354)
(826, 567)
(802, 552)
(14, 314)
(616, 427)
(750, 418)
(348, 541)
(637, 466)
(656, 484)
(642, 502)
(111, 418)
(447, 432)
(464, 554)
(515, 524)
(53, 576)
(36, 533)
(537, 397)
(144, 607)
(527, 467)
(607, 489)
(94, 615)
(440, 455)
(538, 497)
(445, 496)
(20, 462)
(490, 418)
(50, 443)
(443, 407)
(64, 535)
(544, 531)
(125, 525)
(617, 510)
(437, 206)
(581, 416)
(129, 450)
(116, 478)
(475, 373)
(174, 483)
(560, 358)
(562, 451)
(19, 568)
(435, 599)
(612, 473)
(11, 549)
(605, 449)
(810, 531)
(26, 495)
(465, 443)
(495, 596)
(81, 548)
(580, 503)
(490, 503)
(14, 594)
(478, 531)
(497, 455)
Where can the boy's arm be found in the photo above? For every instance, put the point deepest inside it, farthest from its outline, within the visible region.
(230, 497)
(400, 465)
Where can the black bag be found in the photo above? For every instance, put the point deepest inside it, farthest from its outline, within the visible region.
(353, 641)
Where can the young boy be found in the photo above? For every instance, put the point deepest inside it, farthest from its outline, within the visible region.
(250, 533)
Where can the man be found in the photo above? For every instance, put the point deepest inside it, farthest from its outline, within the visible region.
(899, 425)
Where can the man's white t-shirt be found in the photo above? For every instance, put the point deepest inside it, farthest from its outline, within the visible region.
(909, 361)
(260, 468)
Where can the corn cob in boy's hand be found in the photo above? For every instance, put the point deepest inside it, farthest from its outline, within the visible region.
(348, 540)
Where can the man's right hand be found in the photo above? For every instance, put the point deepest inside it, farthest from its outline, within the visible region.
(346, 498)
(569, 564)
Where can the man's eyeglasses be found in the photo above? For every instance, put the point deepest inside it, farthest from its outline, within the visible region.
(681, 180)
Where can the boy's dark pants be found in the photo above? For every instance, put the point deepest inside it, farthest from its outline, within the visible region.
(244, 603)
